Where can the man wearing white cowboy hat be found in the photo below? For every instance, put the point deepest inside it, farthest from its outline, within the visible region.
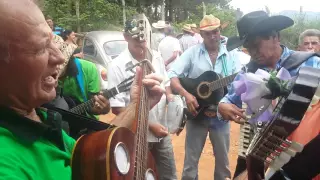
(259, 33)
(210, 55)
(158, 33)
(187, 40)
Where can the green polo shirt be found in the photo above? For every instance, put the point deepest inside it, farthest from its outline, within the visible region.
(91, 82)
(33, 150)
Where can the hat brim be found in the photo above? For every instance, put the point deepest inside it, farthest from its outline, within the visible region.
(209, 28)
(155, 25)
(188, 30)
(234, 42)
(276, 23)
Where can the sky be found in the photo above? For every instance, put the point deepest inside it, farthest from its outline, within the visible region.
(276, 6)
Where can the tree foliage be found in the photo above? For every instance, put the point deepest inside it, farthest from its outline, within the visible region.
(290, 36)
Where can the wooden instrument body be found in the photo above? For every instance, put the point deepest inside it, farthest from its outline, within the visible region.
(92, 160)
(192, 85)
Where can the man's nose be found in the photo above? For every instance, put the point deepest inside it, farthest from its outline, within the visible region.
(56, 57)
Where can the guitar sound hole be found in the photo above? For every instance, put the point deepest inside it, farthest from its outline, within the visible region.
(204, 90)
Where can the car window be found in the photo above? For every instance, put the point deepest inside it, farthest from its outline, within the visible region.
(88, 47)
(114, 48)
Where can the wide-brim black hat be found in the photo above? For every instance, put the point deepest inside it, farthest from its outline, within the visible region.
(255, 23)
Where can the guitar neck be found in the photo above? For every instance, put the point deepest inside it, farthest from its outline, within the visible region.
(220, 83)
(87, 106)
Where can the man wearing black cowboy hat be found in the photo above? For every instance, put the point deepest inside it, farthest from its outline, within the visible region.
(259, 33)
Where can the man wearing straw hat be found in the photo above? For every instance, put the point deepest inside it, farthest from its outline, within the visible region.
(207, 56)
(187, 40)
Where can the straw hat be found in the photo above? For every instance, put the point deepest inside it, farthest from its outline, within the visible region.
(160, 25)
(193, 25)
(209, 23)
(187, 28)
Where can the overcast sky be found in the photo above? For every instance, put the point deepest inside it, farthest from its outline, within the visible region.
(276, 5)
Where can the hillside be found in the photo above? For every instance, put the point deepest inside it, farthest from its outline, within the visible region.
(309, 15)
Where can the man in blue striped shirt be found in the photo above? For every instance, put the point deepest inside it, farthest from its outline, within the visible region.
(259, 33)
(210, 55)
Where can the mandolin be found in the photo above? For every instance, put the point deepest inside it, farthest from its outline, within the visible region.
(119, 153)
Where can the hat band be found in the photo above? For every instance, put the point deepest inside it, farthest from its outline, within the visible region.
(208, 25)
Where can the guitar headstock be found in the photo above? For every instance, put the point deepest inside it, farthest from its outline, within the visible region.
(139, 27)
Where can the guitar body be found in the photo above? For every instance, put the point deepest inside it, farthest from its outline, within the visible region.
(198, 87)
(94, 156)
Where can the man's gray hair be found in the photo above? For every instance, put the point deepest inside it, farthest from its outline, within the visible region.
(308, 32)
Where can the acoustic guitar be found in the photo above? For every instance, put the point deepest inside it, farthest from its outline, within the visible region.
(208, 88)
(119, 153)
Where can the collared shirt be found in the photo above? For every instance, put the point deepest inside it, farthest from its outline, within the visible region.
(117, 73)
(34, 150)
(187, 41)
(231, 97)
(195, 61)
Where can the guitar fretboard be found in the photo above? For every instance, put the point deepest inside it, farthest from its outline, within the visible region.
(87, 106)
(222, 82)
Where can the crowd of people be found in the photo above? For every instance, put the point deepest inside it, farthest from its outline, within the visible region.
(43, 68)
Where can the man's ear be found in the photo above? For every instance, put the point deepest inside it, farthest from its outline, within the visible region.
(126, 36)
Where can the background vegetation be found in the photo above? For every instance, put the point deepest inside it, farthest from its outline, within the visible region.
(108, 15)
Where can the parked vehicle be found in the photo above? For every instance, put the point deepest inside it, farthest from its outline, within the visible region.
(101, 47)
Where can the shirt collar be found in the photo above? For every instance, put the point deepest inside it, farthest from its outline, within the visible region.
(285, 53)
(222, 49)
(28, 131)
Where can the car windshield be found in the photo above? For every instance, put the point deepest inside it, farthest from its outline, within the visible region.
(114, 48)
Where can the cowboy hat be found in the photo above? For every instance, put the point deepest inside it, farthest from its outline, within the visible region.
(257, 22)
(160, 25)
(209, 23)
(187, 28)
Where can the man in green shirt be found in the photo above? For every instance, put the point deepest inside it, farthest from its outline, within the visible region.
(80, 82)
(33, 146)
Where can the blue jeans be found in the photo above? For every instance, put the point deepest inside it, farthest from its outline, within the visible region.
(196, 135)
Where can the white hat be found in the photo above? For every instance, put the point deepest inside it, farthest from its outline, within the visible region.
(160, 25)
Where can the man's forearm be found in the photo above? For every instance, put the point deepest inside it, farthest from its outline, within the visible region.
(176, 87)
(126, 117)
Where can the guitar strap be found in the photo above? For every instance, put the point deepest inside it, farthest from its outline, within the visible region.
(80, 79)
(224, 65)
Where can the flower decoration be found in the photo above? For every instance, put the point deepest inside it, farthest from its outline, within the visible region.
(259, 89)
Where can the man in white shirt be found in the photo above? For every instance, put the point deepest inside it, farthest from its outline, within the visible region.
(169, 48)
(158, 33)
(158, 137)
(187, 40)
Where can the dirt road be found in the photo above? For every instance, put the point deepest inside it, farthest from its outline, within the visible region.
(206, 165)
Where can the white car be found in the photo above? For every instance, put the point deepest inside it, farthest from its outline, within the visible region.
(100, 47)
